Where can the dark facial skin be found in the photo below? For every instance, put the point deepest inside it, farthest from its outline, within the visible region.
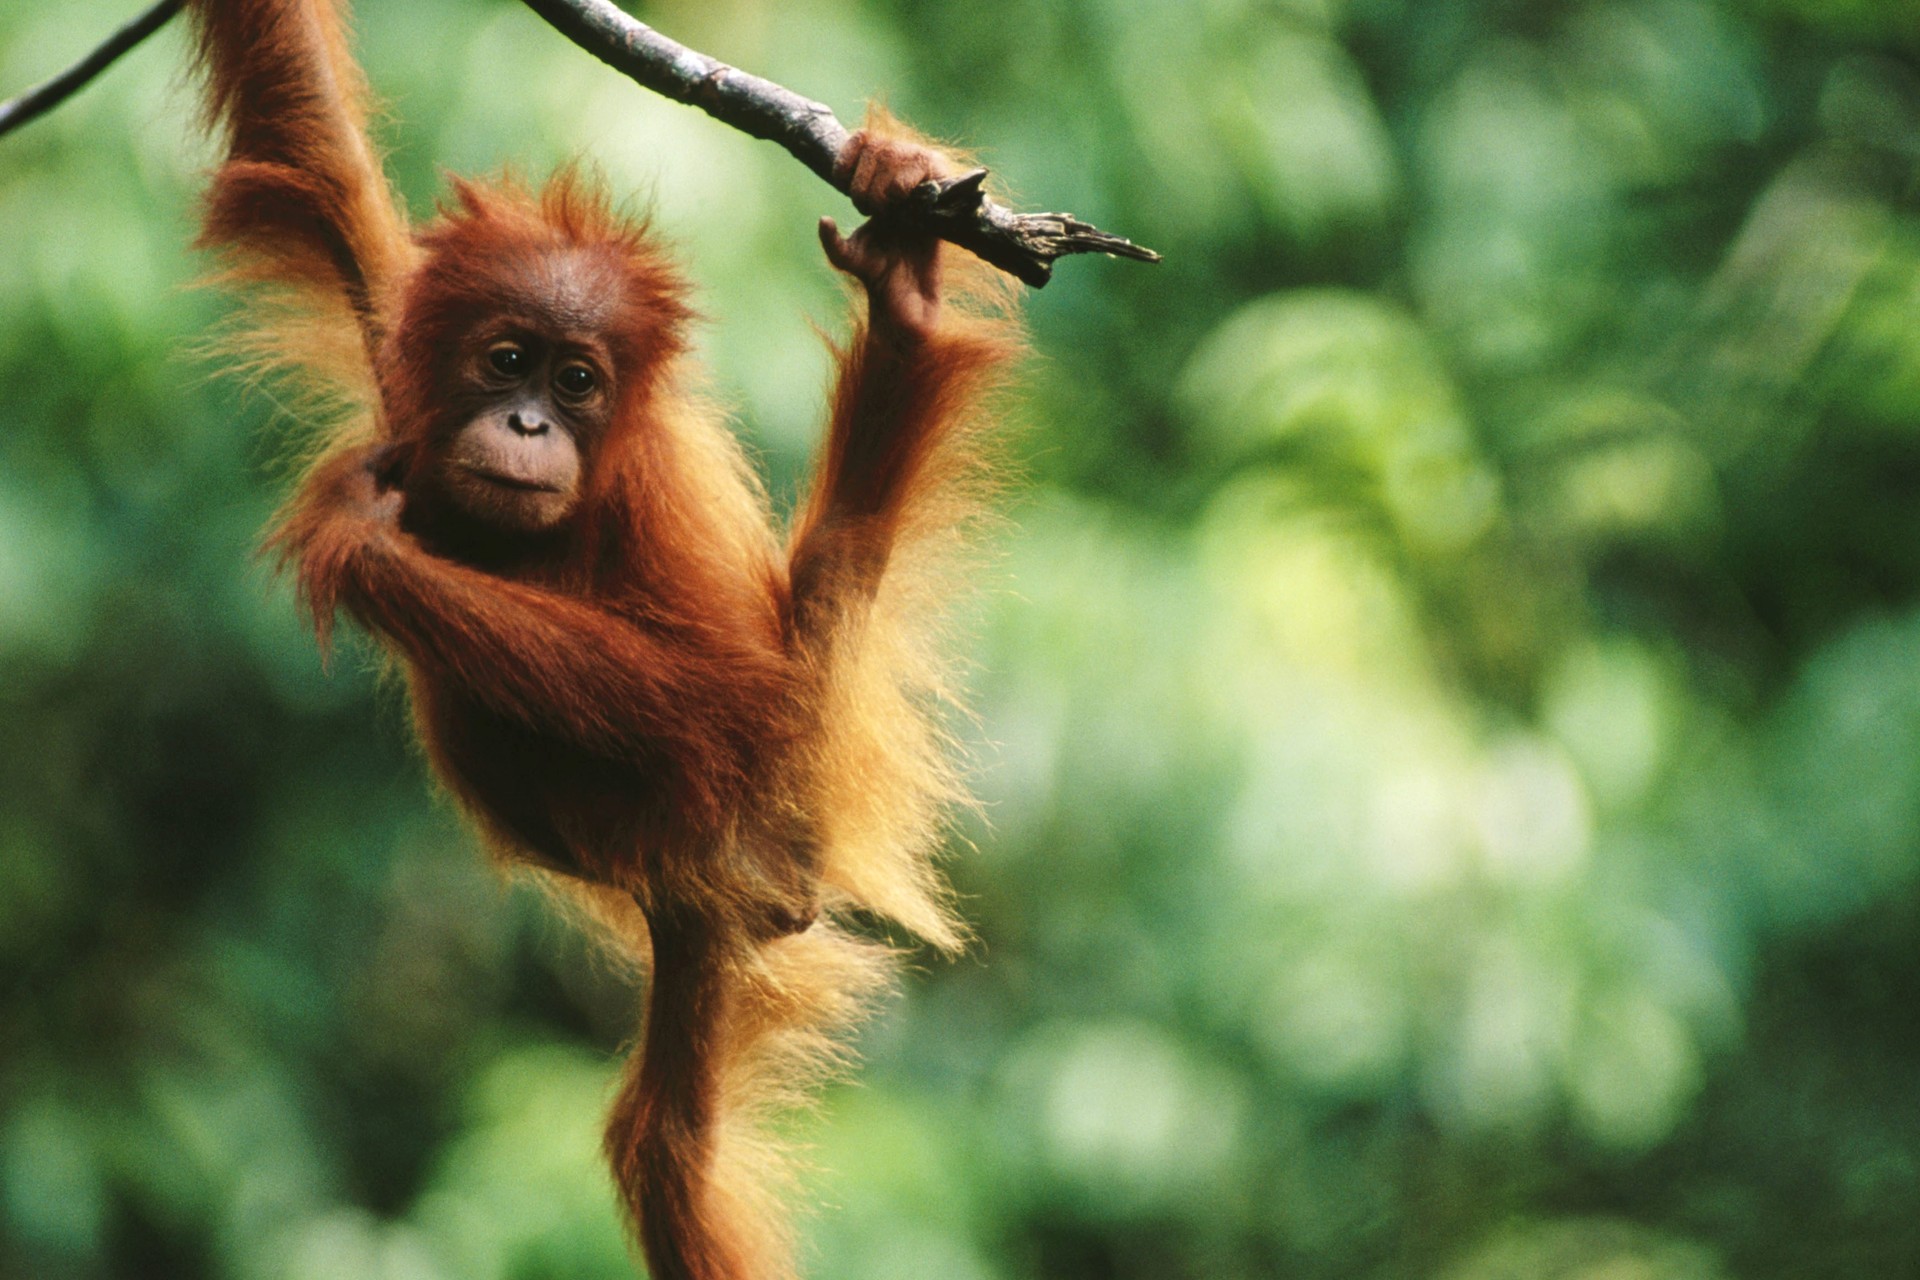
(518, 463)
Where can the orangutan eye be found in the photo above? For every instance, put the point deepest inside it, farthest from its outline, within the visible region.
(508, 359)
(576, 380)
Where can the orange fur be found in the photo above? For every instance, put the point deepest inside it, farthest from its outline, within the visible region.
(708, 731)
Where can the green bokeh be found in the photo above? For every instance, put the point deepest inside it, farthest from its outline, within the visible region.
(1450, 697)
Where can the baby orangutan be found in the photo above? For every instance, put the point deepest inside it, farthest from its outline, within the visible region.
(630, 681)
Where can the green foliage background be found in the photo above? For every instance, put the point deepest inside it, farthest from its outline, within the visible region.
(1450, 706)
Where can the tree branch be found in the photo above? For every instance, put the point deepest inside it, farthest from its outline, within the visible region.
(16, 111)
(958, 210)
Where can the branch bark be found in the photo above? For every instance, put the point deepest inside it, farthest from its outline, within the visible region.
(1025, 245)
(958, 210)
(37, 101)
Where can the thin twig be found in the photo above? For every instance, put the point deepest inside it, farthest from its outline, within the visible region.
(15, 112)
(1023, 244)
